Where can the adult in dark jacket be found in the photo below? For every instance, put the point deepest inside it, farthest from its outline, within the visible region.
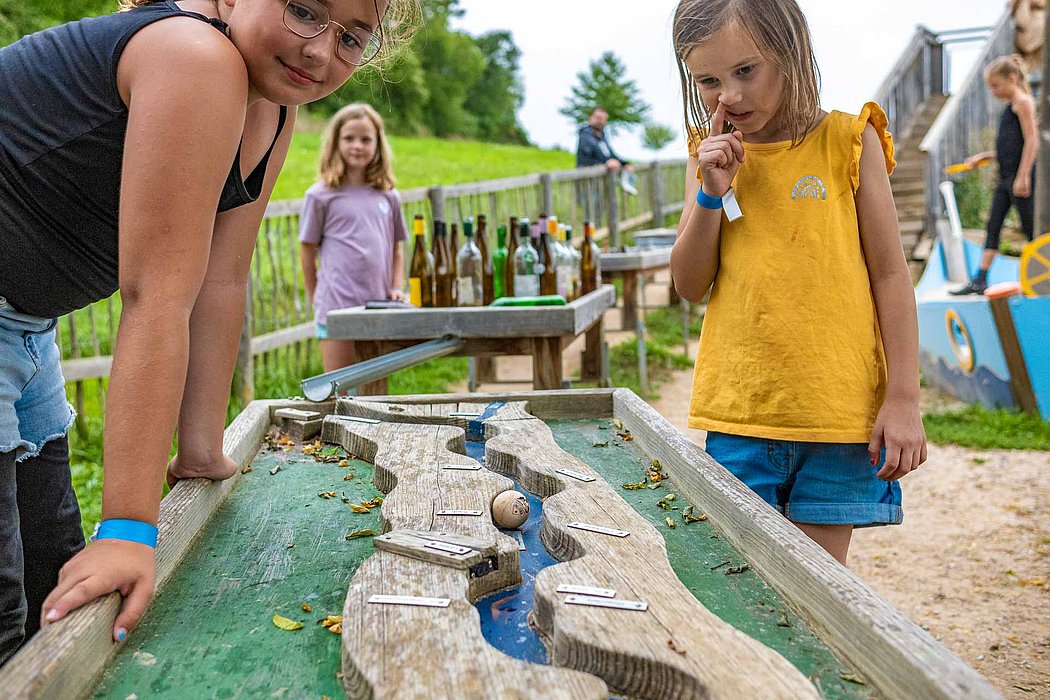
(593, 147)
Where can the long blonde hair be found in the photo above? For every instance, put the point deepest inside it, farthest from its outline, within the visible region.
(399, 23)
(1011, 66)
(779, 29)
(332, 170)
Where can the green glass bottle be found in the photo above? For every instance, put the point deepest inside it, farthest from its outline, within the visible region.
(499, 264)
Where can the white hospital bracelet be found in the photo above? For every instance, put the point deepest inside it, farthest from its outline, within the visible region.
(730, 205)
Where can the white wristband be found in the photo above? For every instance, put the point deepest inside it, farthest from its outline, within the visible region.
(730, 205)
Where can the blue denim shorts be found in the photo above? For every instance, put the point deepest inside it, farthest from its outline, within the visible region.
(33, 406)
(812, 482)
(322, 331)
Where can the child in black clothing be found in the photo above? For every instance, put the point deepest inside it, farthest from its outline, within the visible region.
(1016, 147)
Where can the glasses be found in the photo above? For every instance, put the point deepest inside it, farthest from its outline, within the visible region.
(309, 18)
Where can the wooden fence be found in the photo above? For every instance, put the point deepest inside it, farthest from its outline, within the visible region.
(966, 124)
(278, 329)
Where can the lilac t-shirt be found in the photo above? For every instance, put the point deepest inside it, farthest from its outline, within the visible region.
(356, 228)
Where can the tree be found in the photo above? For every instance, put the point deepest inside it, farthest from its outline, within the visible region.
(606, 86)
(18, 18)
(656, 136)
(498, 95)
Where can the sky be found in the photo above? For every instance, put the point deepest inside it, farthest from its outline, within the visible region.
(856, 44)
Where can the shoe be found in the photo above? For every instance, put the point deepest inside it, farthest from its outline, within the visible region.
(971, 287)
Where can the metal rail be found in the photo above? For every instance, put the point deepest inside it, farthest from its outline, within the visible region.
(325, 386)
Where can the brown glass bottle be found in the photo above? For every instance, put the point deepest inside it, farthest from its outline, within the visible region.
(444, 276)
(590, 260)
(421, 269)
(481, 240)
(512, 245)
(549, 275)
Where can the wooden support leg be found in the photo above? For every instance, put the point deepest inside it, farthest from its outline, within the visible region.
(546, 363)
(591, 357)
(1020, 382)
(629, 313)
(486, 369)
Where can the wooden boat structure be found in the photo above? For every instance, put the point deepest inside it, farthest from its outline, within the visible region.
(627, 607)
(987, 349)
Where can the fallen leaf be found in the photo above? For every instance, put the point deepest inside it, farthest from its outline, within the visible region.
(852, 678)
(285, 624)
(359, 533)
(627, 437)
(737, 569)
(306, 607)
(337, 628)
(656, 466)
(348, 477)
(687, 515)
(617, 424)
(330, 620)
(670, 522)
(634, 486)
(344, 463)
(247, 468)
(327, 494)
(601, 444)
(275, 470)
(675, 647)
(783, 621)
(356, 508)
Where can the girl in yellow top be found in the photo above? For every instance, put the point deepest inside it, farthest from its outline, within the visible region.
(807, 376)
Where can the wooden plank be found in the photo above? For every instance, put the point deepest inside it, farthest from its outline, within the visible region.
(629, 311)
(546, 405)
(399, 651)
(466, 322)
(1020, 382)
(64, 658)
(636, 260)
(427, 414)
(639, 654)
(86, 368)
(895, 655)
(285, 336)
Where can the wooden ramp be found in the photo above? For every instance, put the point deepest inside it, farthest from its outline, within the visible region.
(674, 649)
(408, 651)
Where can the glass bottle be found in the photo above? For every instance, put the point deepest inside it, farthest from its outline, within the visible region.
(512, 247)
(590, 260)
(481, 240)
(499, 264)
(469, 285)
(444, 278)
(421, 269)
(526, 262)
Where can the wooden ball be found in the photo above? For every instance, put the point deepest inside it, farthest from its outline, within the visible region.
(510, 510)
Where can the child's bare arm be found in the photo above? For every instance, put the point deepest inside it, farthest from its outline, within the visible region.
(898, 427)
(215, 326)
(1025, 110)
(694, 258)
(397, 276)
(308, 260)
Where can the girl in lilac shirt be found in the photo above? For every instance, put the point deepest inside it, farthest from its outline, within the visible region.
(352, 220)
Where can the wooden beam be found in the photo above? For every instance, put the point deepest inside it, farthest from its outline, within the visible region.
(894, 654)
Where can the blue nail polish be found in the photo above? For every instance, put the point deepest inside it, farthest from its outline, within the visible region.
(121, 633)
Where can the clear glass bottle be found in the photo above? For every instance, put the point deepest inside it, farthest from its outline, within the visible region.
(469, 275)
(526, 262)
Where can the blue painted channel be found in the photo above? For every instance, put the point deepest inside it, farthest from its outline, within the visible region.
(504, 615)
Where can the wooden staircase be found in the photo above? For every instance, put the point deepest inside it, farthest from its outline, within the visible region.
(908, 181)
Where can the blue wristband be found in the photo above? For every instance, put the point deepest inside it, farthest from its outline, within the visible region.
(127, 530)
(708, 201)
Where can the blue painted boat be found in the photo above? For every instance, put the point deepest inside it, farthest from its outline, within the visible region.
(960, 350)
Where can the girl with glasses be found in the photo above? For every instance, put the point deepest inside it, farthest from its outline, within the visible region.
(138, 151)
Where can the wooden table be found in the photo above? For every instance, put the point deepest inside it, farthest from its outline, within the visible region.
(539, 331)
(628, 266)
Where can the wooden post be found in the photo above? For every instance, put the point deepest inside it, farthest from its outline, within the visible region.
(1020, 382)
(612, 184)
(1042, 175)
(639, 330)
(629, 312)
(656, 195)
(244, 370)
(591, 357)
(546, 363)
(437, 203)
(548, 194)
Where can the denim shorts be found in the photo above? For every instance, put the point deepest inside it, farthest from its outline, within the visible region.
(812, 482)
(33, 406)
(322, 331)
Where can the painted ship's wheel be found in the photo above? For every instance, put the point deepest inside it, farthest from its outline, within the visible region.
(1035, 267)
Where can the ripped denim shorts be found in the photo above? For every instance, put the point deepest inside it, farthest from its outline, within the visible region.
(33, 406)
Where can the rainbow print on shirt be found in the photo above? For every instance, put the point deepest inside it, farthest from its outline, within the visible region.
(809, 187)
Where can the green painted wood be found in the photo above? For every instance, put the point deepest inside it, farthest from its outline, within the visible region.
(701, 558)
(274, 545)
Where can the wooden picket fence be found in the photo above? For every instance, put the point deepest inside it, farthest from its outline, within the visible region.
(278, 331)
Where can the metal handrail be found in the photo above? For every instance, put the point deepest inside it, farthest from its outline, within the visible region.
(325, 386)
